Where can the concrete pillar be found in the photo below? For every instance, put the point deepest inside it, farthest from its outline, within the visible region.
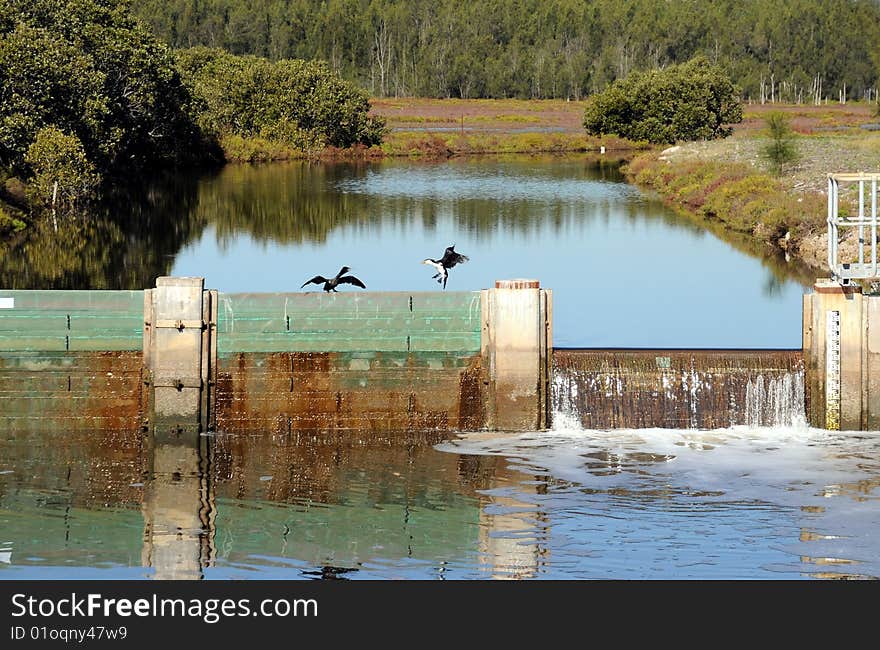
(177, 354)
(842, 356)
(517, 350)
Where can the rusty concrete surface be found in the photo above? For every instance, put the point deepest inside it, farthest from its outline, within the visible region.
(373, 392)
(685, 389)
(71, 391)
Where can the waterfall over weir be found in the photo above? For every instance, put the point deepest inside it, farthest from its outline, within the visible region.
(679, 389)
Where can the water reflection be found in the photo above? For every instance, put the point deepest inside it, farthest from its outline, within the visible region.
(125, 243)
(738, 503)
(613, 255)
(178, 507)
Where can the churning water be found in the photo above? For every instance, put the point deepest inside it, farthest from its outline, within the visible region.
(742, 502)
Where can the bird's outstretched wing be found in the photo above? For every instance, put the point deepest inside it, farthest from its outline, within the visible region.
(350, 279)
(315, 280)
(451, 258)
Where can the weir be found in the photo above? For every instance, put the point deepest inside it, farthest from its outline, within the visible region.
(681, 389)
(179, 360)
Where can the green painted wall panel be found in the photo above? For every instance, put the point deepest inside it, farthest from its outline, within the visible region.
(315, 322)
(63, 300)
(229, 344)
(99, 341)
(71, 320)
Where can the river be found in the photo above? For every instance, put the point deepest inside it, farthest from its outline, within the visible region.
(785, 502)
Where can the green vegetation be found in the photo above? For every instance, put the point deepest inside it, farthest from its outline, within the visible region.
(781, 150)
(62, 173)
(85, 92)
(779, 50)
(8, 223)
(87, 95)
(736, 196)
(691, 101)
(443, 144)
(300, 104)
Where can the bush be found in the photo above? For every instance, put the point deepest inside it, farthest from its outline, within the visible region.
(302, 104)
(85, 67)
(691, 101)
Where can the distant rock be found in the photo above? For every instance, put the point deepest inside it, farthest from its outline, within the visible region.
(664, 155)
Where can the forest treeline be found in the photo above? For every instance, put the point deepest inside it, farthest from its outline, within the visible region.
(775, 50)
(88, 94)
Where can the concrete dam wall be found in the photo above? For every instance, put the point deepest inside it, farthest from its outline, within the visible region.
(180, 360)
(369, 362)
(71, 360)
(185, 359)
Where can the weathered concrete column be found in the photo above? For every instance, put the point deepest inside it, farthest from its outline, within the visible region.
(177, 348)
(841, 342)
(516, 346)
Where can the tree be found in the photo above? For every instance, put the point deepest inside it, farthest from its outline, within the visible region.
(83, 75)
(691, 101)
(781, 149)
(61, 171)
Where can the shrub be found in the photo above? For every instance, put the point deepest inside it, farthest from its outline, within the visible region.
(691, 101)
(303, 104)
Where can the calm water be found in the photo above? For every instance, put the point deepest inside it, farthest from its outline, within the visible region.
(565, 504)
(625, 270)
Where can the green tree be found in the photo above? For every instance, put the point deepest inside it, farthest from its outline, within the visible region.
(301, 103)
(789, 49)
(691, 101)
(781, 148)
(62, 174)
(87, 70)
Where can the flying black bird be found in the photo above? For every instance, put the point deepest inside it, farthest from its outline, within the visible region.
(450, 258)
(341, 278)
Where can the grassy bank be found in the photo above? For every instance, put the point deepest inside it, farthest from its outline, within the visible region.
(729, 184)
(739, 198)
(440, 128)
(420, 127)
(444, 144)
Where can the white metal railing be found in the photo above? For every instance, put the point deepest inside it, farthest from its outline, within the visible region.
(849, 269)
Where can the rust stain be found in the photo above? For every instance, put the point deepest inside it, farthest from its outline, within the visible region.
(329, 392)
(703, 389)
(72, 391)
(472, 398)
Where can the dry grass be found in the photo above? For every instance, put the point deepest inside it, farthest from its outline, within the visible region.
(482, 114)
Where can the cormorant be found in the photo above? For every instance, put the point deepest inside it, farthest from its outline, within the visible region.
(341, 278)
(450, 258)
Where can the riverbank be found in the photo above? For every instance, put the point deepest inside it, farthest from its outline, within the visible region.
(442, 128)
(437, 128)
(728, 182)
